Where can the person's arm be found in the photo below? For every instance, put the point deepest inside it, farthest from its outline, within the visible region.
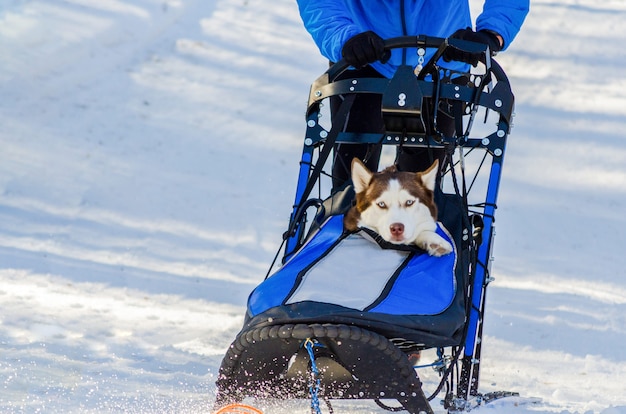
(504, 18)
(330, 25)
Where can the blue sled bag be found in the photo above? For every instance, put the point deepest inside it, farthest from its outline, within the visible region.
(398, 291)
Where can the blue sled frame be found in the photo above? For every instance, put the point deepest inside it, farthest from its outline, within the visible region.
(473, 173)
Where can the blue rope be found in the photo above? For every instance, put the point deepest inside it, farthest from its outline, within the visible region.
(438, 364)
(314, 386)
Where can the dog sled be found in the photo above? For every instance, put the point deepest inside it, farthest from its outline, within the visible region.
(343, 315)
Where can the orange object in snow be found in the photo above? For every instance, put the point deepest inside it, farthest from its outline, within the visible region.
(238, 409)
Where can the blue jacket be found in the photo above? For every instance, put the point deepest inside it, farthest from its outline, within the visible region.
(332, 22)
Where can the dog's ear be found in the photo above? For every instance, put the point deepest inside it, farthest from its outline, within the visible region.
(361, 176)
(429, 177)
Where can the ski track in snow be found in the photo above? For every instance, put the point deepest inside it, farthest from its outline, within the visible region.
(148, 160)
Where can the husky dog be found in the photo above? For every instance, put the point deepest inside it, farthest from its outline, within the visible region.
(397, 205)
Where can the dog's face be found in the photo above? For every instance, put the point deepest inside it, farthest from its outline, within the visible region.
(396, 205)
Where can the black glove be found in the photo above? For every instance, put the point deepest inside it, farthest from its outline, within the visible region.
(482, 36)
(364, 48)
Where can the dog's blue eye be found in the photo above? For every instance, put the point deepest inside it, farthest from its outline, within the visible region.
(410, 202)
(382, 204)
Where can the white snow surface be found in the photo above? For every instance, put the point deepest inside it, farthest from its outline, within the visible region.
(148, 159)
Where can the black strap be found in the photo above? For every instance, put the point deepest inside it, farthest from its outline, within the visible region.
(339, 120)
(374, 237)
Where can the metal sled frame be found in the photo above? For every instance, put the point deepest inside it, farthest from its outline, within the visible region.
(489, 90)
(496, 98)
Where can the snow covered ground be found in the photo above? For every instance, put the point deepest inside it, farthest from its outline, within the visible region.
(148, 157)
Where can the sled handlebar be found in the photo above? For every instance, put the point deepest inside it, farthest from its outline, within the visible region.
(328, 85)
(429, 42)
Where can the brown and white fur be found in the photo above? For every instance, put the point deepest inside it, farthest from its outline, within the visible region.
(397, 205)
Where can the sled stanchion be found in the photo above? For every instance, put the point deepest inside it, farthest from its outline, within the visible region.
(304, 188)
(471, 360)
(305, 167)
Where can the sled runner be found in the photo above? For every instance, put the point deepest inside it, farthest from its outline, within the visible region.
(341, 315)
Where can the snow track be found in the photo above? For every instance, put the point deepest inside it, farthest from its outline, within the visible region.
(148, 157)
